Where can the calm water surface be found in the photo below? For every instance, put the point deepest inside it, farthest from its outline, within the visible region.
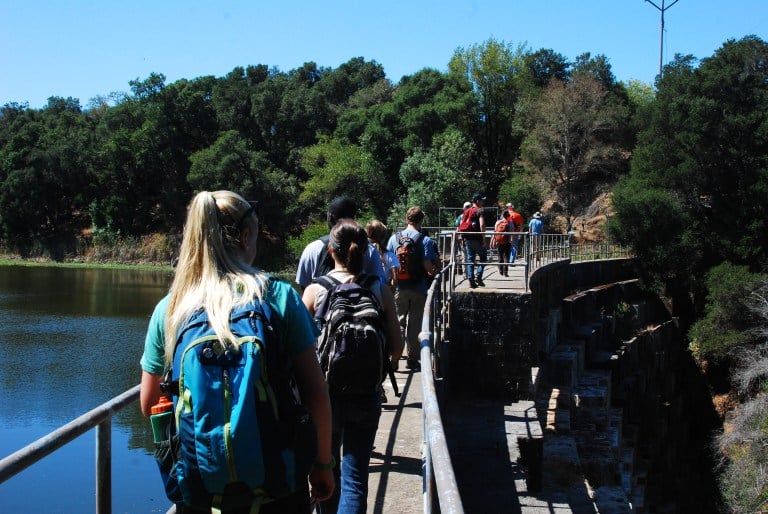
(70, 340)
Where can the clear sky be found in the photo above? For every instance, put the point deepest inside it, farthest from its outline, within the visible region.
(86, 48)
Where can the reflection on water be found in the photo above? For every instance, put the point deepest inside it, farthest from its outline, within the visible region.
(71, 339)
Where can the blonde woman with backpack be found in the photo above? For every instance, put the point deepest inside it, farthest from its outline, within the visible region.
(356, 407)
(215, 276)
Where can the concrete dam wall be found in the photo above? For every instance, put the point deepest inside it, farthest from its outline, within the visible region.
(622, 415)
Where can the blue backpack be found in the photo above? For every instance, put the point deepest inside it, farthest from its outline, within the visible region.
(242, 438)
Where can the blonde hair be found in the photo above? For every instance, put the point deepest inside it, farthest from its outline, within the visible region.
(209, 273)
(377, 233)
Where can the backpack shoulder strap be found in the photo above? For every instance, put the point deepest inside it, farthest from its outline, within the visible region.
(324, 262)
(327, 281)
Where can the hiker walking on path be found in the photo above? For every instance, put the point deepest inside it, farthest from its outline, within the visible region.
(417, 255)
(214, 279)
(501, 240)
(315, 261)
(458, 247)
(377, 235)
(368, 311)
(516, 222)
(535, 230)
(473, 226)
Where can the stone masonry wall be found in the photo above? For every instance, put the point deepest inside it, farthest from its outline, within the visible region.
(493, 347)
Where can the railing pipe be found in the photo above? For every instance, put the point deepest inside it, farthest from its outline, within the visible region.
(439, 468)
(100, 418)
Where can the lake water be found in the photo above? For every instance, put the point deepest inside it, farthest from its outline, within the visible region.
(70, 340)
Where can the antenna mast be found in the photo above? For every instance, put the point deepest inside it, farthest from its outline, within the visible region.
(661, 43)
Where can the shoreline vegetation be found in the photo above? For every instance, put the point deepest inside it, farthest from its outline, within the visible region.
(8, 260)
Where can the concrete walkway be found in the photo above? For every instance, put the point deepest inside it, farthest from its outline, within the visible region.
(395, 481)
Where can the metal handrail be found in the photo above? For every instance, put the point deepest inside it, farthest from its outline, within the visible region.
(99, 418)
(439, 477)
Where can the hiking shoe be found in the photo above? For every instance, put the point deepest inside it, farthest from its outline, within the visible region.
(472, 283)
(480, 282)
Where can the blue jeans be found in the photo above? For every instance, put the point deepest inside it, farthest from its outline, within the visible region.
(513, 250)
(355, 420)
(474, 247)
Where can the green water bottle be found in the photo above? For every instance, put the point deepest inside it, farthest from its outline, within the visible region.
(160, 418)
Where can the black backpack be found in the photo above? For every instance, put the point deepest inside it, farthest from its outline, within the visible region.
(324, 264)
(410, 257)
(352, 346)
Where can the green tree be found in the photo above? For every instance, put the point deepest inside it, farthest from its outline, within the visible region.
(493, 69)
(436, 178)
(705, 153)
(336, 168)
(544, 66)
(523, 190)
(145, 144)
(727, 328)
(45, 166)
(230, 163)
(421, 106)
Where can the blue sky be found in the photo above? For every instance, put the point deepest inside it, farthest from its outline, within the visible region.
(86, 48)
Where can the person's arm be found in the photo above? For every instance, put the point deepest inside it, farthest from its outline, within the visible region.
(308, 298)
(298, 329)
(314, 395)
(153, 359)
(150, 391)
(481, 220)
(392, 327)
(431, 261)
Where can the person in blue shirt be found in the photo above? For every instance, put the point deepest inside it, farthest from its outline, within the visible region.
(413, 282)
(536, 226)
(315, 261)
(535, 229)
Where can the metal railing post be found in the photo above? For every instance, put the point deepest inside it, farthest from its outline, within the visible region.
(99, 418)
(104, 467)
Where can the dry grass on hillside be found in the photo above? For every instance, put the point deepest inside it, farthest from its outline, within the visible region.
(589, 225)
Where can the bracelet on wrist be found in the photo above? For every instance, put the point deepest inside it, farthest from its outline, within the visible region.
(329, 465)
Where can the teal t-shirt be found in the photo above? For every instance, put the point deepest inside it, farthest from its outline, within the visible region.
(290, 319)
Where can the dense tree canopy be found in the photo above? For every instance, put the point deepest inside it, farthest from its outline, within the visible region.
(698, 190)
(494, 68)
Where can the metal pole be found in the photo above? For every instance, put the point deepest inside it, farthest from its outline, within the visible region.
(104, 467)
(661, 37)
(661, 40)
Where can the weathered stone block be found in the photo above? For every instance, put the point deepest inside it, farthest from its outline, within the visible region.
(611, 499)
(563, 464)
(585, 333)
(562, 368)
